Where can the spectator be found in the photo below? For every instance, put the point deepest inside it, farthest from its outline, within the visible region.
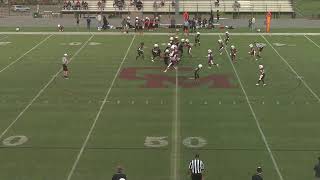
(119, 174)
(99, 5)
(162, 3)
(186, 25)
(99, 20)
(139, 5)
(217, 3)
(193, 24)
(250, 24)
(173, 3)
(88, 23)
(253, 23)
(317, 170)
(218, 15)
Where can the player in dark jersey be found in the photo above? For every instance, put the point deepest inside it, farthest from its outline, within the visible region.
(180, 47)
(176, 40)
(197, 39)
(227, 38)
(155, 52)
(136, 24)
(140, 51)
(258, 174)
(262, 75)
(173, 59)
(221, 46)
(188, 46)
(168, 47)
(166, 57)
(252, 51)
(119, 175)
(233, 53)
(210, 59)
(197, 71)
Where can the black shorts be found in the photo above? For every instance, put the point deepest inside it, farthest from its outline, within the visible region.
(185, 28)
(65, 67)
(196, 176)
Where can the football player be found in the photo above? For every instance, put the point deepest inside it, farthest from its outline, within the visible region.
(176, 40)
(189, 47)
(221, 46)
(168, 47)
(253, 52)
(210, 59)
(197, 71)
(60, 28)
(259, 47)
(65, 62)
(140, 51)
(173, 59)
(233, 53)
(166, 57)
(180, 47)
(155, 52)
(197, 39)
(227, 38)
(262, 75)
(171, 40)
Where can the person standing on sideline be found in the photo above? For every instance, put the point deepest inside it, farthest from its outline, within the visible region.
(196, 167)
(65, 62)
(218, 15)
(258, 174)
(253, 23)
(88, 23)
(317, 170)
(119, 175)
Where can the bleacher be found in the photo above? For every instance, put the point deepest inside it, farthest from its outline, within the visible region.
(228, 6)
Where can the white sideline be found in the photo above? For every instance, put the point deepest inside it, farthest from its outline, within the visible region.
(291, 68)
(275, 164)
(175, 136)
(312, 41)
(158, 33)
(41, 91)
(34, 47)
(98, 114)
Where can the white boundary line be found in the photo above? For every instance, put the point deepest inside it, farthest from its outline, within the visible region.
(34, 47)
(312, 41)
(41, 91)
(98, 114)
(291, 68)
(158, 33)
(275, 164)
(175, 154)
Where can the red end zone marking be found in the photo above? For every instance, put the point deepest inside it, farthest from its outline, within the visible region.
(153, 77)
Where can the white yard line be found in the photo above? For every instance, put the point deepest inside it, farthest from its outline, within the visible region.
(98, 114)
(275, 164)
(4, 37)
(34, 47)
(175, 154)
(312, 41)
(291, 68)
(41, 91)
(160, 33)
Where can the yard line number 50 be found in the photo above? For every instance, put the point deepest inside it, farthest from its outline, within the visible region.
(161, 141)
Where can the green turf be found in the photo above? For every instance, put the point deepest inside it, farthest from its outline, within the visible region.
(58, 121)
(309, 8)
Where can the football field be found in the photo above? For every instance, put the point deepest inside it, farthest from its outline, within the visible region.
(116, 110)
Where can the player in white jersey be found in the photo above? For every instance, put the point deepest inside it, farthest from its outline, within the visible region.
(262, 75)
(65, 62)
(253, 52)
(211, 60)
(221, 46)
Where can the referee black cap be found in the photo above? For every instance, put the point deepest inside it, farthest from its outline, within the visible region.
(197, 156)
(259, 169)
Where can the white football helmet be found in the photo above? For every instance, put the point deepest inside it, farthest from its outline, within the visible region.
(171, 38)
(260, 66)
(227, 32)
(59, 25)
(198, 32)
(128, 17)
(182, 40)
(187, 40)
(167, 51)
(232, 46)
(156, 45)
(137, 17)
(209, 51)
(251, 45)
(200, 66)
(220, 41)
(65, 55)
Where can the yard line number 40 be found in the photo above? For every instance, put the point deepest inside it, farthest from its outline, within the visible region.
(161, 141)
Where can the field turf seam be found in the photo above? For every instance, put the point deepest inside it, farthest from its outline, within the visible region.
(275, 164)
(70, 174)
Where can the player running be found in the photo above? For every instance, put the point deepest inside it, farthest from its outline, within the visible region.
(155, 52)
(210, 59)
(65, 62)
(233, 53)
(171, 39)
(221, 46)
(197, 39)
(140, 51)
(166, 57)
(188, 46)
(227, 38)
(197, 71)
(173, 59)
(180, 47)
(253, 52)
(262, 75)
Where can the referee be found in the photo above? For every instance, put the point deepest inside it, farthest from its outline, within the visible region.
(196, 167)
(258, 174)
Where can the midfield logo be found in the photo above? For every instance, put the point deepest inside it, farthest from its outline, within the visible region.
(153, 77)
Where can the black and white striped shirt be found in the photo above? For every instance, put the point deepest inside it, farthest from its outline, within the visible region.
(196, 166)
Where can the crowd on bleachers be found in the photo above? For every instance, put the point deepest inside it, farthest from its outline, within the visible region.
(75, 5)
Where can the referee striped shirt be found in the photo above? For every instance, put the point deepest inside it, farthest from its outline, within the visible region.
(196, 166)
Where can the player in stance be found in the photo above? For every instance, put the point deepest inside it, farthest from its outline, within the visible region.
(259, 47)
(65, 62)
(140, 51)
(189, 47)
(262, 75)
(227, 38)
(233, 53)
(197, 39)
(197, 71)
(155, 52)
(210, 59)
(221, 46)
(253, 52)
